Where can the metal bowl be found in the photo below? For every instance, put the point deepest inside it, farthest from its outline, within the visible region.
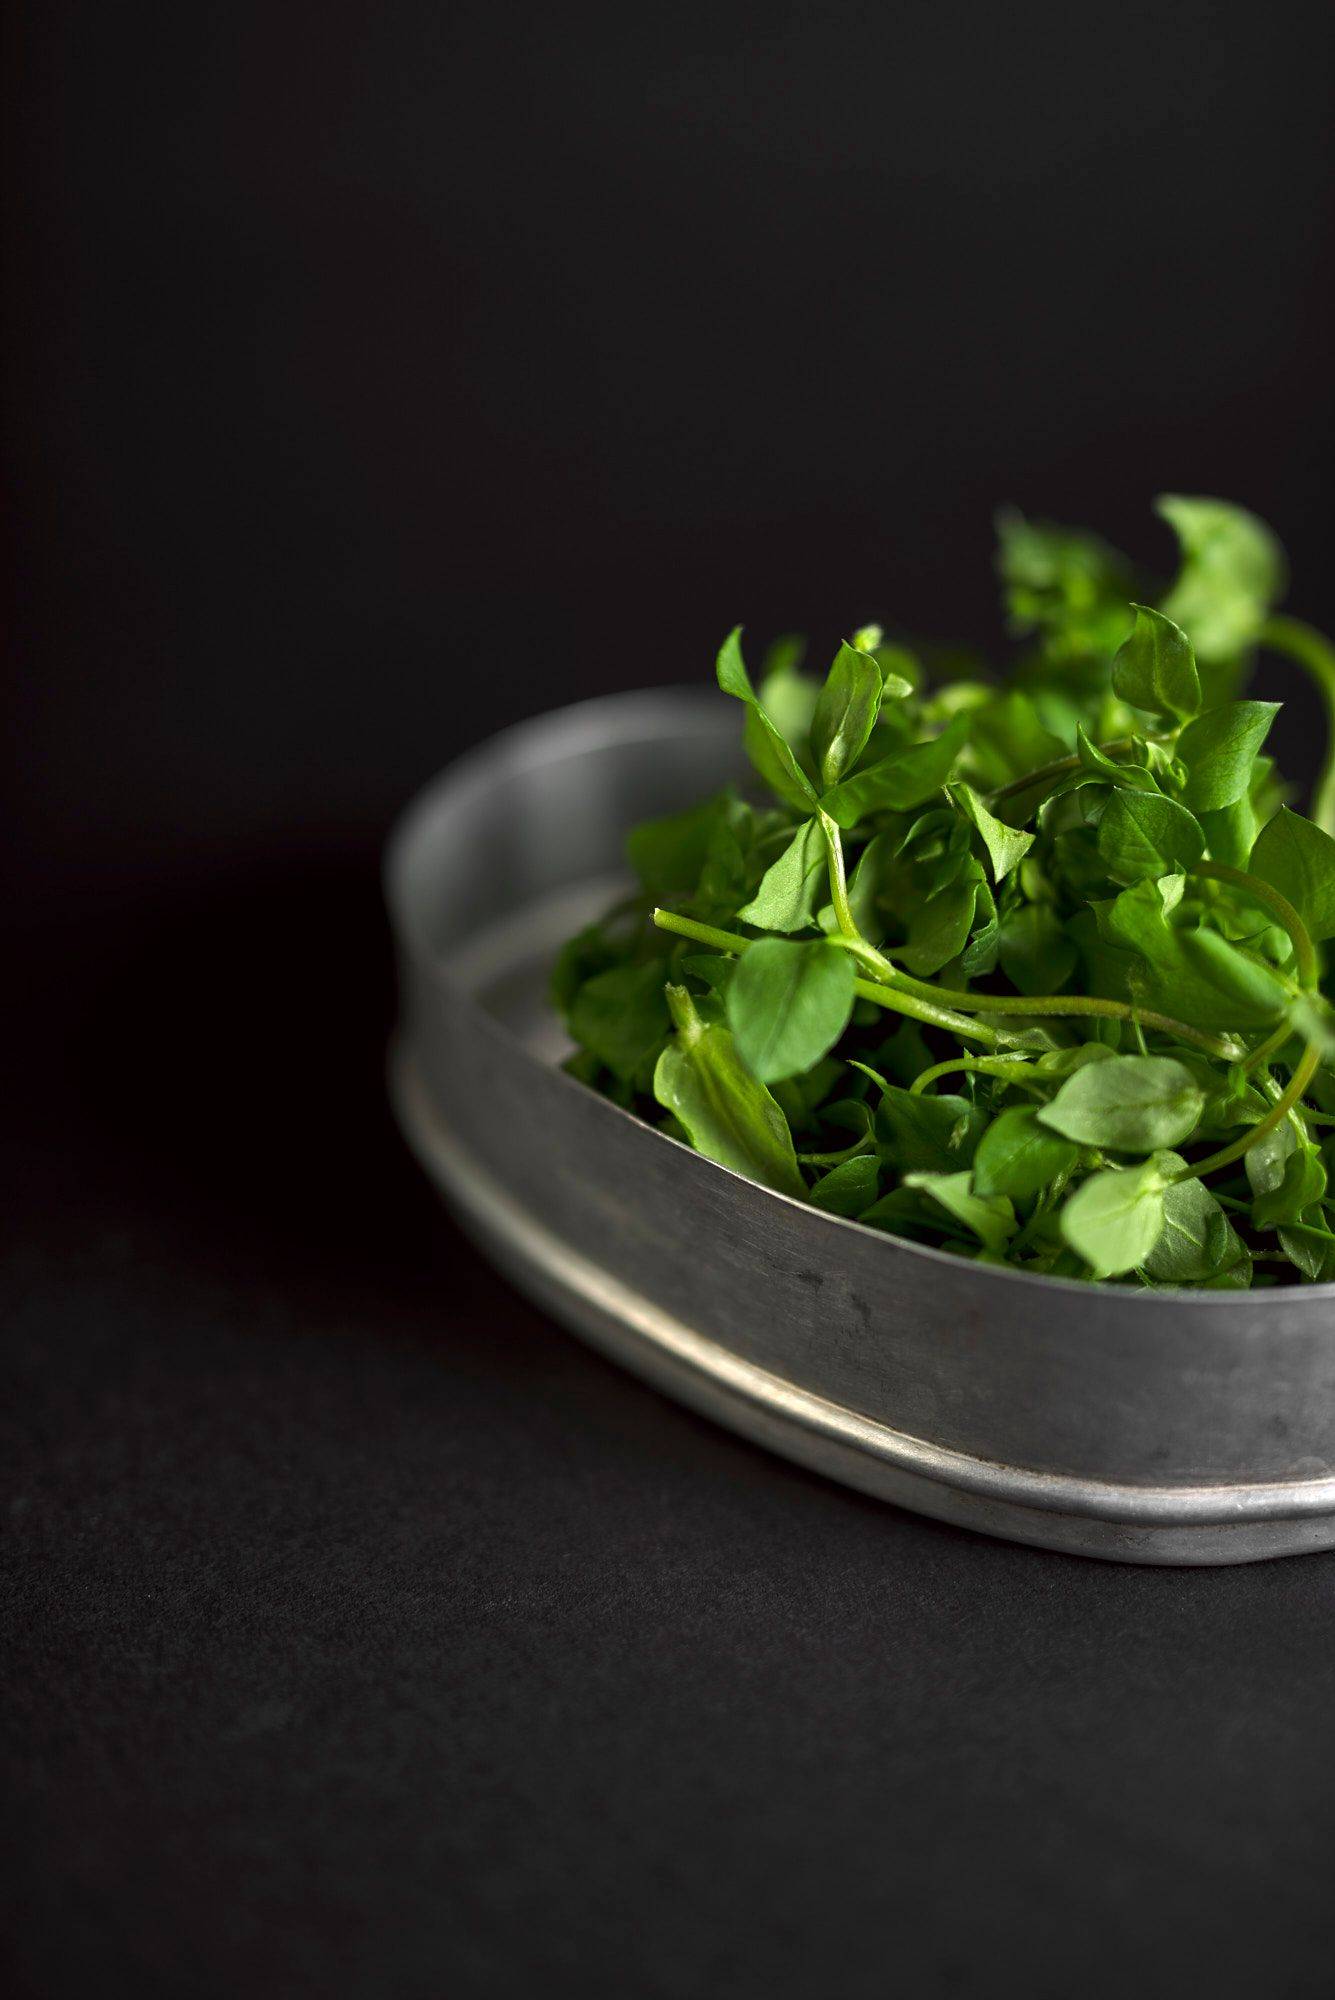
(1145, 1427)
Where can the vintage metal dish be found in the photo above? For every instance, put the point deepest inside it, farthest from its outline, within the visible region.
(1164, 1428)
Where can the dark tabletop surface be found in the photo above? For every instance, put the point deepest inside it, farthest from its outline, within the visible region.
(377, 375)
(366, 1635)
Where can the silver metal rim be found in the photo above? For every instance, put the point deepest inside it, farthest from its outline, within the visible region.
(1179, 1524)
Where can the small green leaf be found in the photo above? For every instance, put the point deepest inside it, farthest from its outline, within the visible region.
(711, 967)
(1065, 584)
(1298, 859)
(1314, 1019)
(668, 854)
(1302, 1183)
(787, 897)
(1252, 991)
(1133, 1104)
(894, 686)
(1115, 1218)
(1016, 1156)
(848, 1188)
(991, 1218)
(1035, 953)
(1118, 771)
(1192, 975)
(1199, 1244)
(1218, 750)
(939, 928)
(908, 1212)
(1268, 1171)
(1007, 739)
(766, 745)
(1144, 834)
(1230, 833)
(1006, 845)
(788, 1004)
(901, 781)
(727, 1112)
(622, 1016)
(925, 1134)
(1232, 572)
(1155, 667)
(787, 696)
(846, 711)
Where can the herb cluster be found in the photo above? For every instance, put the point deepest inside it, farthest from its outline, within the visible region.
(1028, 971)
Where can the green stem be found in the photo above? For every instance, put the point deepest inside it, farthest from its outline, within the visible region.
(949, 1007)
(1266, 1051)
(1278, 1112)
(1071, 1006)
(730, 941)
(1060, 767)
(843, 909)
(879, 967)
(1304, 951)
(975, 1065)
(866, 1144)
(891, 998)
(1310, 649)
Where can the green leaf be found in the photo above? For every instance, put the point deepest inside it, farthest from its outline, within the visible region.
(1218, 749)
(1155, 667)
(1313, 1018)
(939, 928)
(788, 1004)
(848, 1188)
(1199, 1244)
(1016, 1156)
(991, 1218)
(712, 967)
(1194, 975)
(766, 746)
(1268, 1171)
(1301, 1185)
(668, 854)
(787, 696)
(894, 686)
(846, 711)
(622, 1016)
(1252, 992)
(727, 1112)
(1006, 845)
(1133, 1104)
(1298, 859)
(1230, 833)
(1035, 953)
(1232, 572)
(1067, 585)
(908, 1212)
(1008, 739)
(1115, 1218)
(925, 1134)
(1144, 833)
(1132, 776)
(787, 897)
(901, 781)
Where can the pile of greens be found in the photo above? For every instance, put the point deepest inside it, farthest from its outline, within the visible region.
(1030, 971)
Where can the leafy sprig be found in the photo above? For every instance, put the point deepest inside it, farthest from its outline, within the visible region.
(1031, 972)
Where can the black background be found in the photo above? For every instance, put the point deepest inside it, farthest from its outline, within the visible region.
(376, 376)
